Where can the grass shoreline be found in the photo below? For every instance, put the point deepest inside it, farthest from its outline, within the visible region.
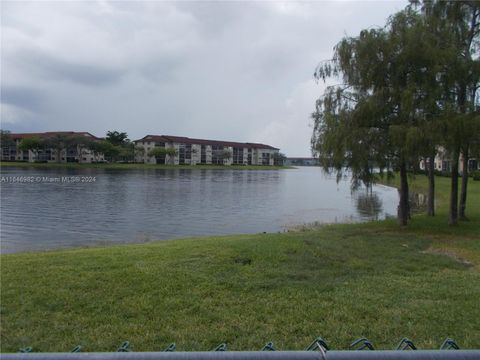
(118, 166)
(340, 282)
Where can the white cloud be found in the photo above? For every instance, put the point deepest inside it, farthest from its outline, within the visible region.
(292, 129)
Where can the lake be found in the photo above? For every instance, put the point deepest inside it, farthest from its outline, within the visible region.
(43, 209)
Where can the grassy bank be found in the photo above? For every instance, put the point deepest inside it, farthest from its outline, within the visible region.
(340, 282)
(418, 183)
(117, 166)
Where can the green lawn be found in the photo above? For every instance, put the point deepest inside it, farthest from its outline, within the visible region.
(118, 166)
(340, 282)
(418, 183)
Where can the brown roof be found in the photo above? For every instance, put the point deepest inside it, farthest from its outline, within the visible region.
(186, 140)
(53, 133)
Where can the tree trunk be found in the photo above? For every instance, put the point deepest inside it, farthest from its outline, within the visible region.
(431, 185)
(463, 194)
(453, 211)
(453, 218)
(403, 207)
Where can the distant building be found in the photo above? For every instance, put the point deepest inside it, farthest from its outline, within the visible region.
(302, 161)
(200, 151)
(443, 162)
(75, 153)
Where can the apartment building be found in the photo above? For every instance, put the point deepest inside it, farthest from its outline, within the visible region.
(71, 153)
(443, 162)
(200, 151)
(302, 161)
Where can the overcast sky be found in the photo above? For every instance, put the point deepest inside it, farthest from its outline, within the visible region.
(240, 71)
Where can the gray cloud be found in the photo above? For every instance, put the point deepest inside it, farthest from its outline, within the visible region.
(232, 70)
(83, 74)
(22, 97)
(53, 68)
(161, 70)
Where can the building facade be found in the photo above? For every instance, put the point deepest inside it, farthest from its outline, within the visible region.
(443, 162)
(189, 151)
(46, 153)
(302, 161)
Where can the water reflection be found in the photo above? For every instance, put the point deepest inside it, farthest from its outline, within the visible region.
(418, 202)
(368, 204)
(138, 206)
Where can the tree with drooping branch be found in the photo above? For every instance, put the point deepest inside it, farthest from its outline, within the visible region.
(374, 120)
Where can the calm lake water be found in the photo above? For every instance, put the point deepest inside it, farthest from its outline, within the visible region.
(138, 206)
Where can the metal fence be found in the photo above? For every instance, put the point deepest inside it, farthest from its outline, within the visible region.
(361, 349)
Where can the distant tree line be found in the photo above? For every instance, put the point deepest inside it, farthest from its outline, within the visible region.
(406, 89)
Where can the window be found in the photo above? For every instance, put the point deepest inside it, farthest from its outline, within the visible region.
(237, 156)
(45, 154)
(472, 165)
(445, 166)
(160, 159)
(217, 154)
(184, 153)
(249, 157)
(9, 151)
(203, 154)
(265, 158)
(181, 154)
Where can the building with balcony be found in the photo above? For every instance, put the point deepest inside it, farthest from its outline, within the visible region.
(73, 151)
(190, 151)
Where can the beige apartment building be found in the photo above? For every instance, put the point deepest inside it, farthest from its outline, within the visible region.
(45, 154)
(191, 151)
